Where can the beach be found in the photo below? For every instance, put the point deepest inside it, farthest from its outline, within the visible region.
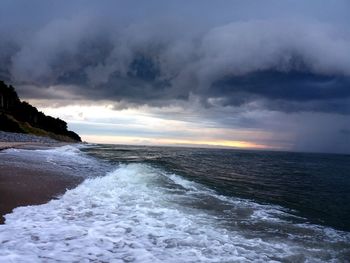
(23, 183)
(21, 186)
(21, 140)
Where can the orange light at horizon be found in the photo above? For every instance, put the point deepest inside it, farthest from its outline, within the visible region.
(173, 142)
(102, 124)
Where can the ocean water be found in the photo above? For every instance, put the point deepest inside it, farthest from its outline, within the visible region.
(158, 204)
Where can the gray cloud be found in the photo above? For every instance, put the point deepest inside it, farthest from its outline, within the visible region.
(154, 60)
(227, 58)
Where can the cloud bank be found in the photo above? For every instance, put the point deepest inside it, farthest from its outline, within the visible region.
(290, 57)
(305, 64)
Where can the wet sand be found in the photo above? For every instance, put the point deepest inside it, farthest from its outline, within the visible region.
(7, 145)
(22, 186)
(29, 145)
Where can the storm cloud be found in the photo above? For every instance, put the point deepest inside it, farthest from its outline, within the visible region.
(212, 59)
(148, 59)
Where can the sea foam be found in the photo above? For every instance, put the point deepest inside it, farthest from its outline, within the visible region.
(138, 213)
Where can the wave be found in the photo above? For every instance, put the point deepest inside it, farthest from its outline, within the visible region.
(68, 159)
(145, 214)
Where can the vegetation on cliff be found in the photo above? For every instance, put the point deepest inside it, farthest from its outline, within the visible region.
(20, 116)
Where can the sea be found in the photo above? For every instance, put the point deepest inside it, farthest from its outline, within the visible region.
(172, 204)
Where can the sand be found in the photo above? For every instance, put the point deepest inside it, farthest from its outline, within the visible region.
(6, 145)
(22, 186)
(29, 145)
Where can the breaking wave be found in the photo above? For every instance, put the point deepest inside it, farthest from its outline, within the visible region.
(145, 214)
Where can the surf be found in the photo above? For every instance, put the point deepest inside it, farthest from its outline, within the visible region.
(140, 213)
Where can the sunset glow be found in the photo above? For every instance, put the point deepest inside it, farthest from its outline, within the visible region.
(103, 124)
(171, 142)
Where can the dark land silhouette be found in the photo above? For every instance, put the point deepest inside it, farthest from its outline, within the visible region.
(19, 116)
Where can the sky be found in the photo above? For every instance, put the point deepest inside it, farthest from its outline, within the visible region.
(272, 74)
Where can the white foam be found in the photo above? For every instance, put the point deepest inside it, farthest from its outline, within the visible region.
(129, 215)
(66, 159)
(62, 152)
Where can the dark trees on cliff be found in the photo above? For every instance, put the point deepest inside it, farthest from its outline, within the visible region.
(10, 105)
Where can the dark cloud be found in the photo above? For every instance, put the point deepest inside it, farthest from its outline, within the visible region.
(149, 58)
(286, 91)
(295, 86)
(227, 63)
(345, 132)
(218, 59)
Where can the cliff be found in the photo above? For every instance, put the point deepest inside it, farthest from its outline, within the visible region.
(20, 116)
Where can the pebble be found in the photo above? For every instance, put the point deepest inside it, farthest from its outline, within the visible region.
(21, 137)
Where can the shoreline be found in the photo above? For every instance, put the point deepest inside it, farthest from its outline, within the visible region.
(25, 185)
(30, 145)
